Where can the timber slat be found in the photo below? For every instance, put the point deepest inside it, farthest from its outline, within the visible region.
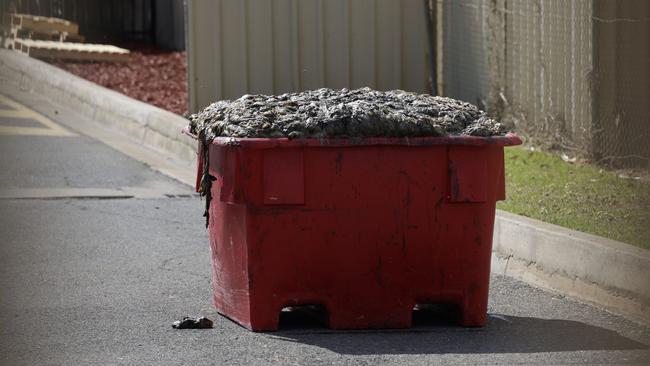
(70, 50)
(43, 24)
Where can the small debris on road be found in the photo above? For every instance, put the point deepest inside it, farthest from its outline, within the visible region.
(193, 323)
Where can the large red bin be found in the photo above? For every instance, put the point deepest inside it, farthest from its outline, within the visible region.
(366, 228)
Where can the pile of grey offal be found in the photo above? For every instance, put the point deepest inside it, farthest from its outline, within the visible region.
(327, 113)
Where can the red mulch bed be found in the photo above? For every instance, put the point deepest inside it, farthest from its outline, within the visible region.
(152, 76)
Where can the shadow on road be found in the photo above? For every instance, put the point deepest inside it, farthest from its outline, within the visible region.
(432, 334)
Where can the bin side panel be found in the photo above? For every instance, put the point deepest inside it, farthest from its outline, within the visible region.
(284, 177)
(365, 244)
(226, 166)
(468, 172)
(500, 170)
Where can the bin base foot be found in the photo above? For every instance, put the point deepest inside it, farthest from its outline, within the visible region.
(341, 318)
(473, 318)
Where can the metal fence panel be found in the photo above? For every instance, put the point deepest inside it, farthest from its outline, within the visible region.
(548, 61)
(621, 80)
(570, 74)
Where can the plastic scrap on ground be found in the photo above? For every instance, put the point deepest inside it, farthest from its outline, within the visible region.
(193, 323)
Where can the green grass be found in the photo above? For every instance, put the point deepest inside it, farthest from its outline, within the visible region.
(577, 196)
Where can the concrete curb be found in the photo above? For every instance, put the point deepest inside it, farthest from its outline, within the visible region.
(610, 274)
(139, 121)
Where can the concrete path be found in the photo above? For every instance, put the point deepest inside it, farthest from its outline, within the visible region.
(99, 254)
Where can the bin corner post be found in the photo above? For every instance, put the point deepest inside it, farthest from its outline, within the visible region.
(501, 174)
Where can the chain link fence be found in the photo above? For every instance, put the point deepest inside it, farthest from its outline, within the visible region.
(569, 75)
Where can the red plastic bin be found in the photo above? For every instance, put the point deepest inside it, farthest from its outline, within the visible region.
(366, 228)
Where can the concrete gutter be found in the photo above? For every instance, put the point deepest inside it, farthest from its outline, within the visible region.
(610, 274)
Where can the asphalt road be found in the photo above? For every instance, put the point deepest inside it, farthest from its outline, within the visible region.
(99, 255)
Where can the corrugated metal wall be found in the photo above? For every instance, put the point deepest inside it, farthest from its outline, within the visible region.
(99, 20)
(274, 46)
(170, 24)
